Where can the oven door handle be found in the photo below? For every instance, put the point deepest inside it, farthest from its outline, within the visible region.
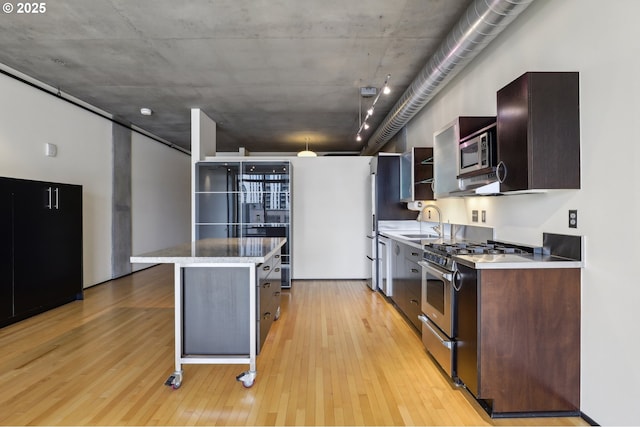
(426, 322)
(446, 275)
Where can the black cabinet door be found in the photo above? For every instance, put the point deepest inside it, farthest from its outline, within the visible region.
(6, 252)
(47, 244)
(467, 313)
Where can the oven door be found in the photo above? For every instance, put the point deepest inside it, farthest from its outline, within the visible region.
(438, 302)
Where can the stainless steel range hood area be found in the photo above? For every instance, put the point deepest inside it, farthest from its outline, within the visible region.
(480, 185)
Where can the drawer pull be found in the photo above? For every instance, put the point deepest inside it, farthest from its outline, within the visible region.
(276, 294)
(266, 285)
(413, 301)
(414, 254)
(277, 269)
(277, 256)
(266, 268)
(415, 270)
(267, 316)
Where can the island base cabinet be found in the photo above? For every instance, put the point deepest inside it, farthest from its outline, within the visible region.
(216, 307)
(215, 311)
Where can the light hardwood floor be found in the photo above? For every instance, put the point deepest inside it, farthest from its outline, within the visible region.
(339, 355)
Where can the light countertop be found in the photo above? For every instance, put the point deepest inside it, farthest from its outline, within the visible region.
(215, 250)
(516, 261)
(486, 261)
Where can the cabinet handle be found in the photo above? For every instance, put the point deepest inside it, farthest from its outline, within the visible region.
(49, 205)
(276, 294)
(277, 256)
(414, 254)
(413, 301)
(277, 270)
(57, 206)
(266, 268)
(267, 316)
(266, 285)
(502, 166)
(415, 270)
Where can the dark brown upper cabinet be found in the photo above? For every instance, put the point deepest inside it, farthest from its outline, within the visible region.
(538, 132)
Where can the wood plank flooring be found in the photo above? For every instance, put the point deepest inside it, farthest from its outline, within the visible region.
(339, 355)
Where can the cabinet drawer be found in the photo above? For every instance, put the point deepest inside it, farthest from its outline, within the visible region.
(412, 254)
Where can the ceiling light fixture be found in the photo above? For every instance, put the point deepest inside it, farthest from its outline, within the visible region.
(306, 152)
(146, 111)
(363, 123)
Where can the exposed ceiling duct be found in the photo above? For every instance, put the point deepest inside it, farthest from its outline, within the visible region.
(480, 24)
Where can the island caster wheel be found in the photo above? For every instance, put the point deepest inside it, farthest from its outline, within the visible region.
(247, 378)
(174, 381)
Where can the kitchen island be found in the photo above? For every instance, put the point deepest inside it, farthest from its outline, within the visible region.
(227, 294)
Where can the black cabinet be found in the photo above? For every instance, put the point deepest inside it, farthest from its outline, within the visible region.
(538, 130)
(6, 253)
(41, 235)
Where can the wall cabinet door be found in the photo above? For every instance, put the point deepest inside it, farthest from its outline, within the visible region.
(538, 128)
(416, 174)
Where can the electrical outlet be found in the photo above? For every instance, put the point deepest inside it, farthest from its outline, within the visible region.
(474, 215)
(573, 218)
(484, 216)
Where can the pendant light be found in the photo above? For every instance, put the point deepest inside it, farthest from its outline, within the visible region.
(306, 152)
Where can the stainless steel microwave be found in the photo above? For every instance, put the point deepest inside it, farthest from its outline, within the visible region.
(478, 152)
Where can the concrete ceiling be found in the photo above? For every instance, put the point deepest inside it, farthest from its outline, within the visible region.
(271, 73)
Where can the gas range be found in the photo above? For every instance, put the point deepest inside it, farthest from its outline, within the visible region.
(442, 253)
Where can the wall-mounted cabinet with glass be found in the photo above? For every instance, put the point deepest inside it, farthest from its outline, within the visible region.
(245, 199)
(416, 174)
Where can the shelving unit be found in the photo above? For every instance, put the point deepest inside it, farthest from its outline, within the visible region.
(241, 198)
(416, 174)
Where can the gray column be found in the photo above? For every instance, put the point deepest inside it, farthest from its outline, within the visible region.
(121, 202)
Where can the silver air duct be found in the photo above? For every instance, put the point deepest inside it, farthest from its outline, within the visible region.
(480, 24)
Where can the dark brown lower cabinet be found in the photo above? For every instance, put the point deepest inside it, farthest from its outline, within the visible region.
(40, 247)
(523, 354)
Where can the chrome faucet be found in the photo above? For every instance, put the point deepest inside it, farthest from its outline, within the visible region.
(439, 229)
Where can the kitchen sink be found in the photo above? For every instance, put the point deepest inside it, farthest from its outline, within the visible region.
(419, 236)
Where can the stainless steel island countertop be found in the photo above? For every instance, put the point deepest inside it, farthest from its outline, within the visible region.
(215, 250)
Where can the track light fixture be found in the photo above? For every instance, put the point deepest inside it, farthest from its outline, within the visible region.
(363, 123)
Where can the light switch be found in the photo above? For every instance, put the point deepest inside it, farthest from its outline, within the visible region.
(51, 150)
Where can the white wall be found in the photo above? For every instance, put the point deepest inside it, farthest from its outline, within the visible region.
(161, 196)
(30, 118)
(600, 41)
(331, 206)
